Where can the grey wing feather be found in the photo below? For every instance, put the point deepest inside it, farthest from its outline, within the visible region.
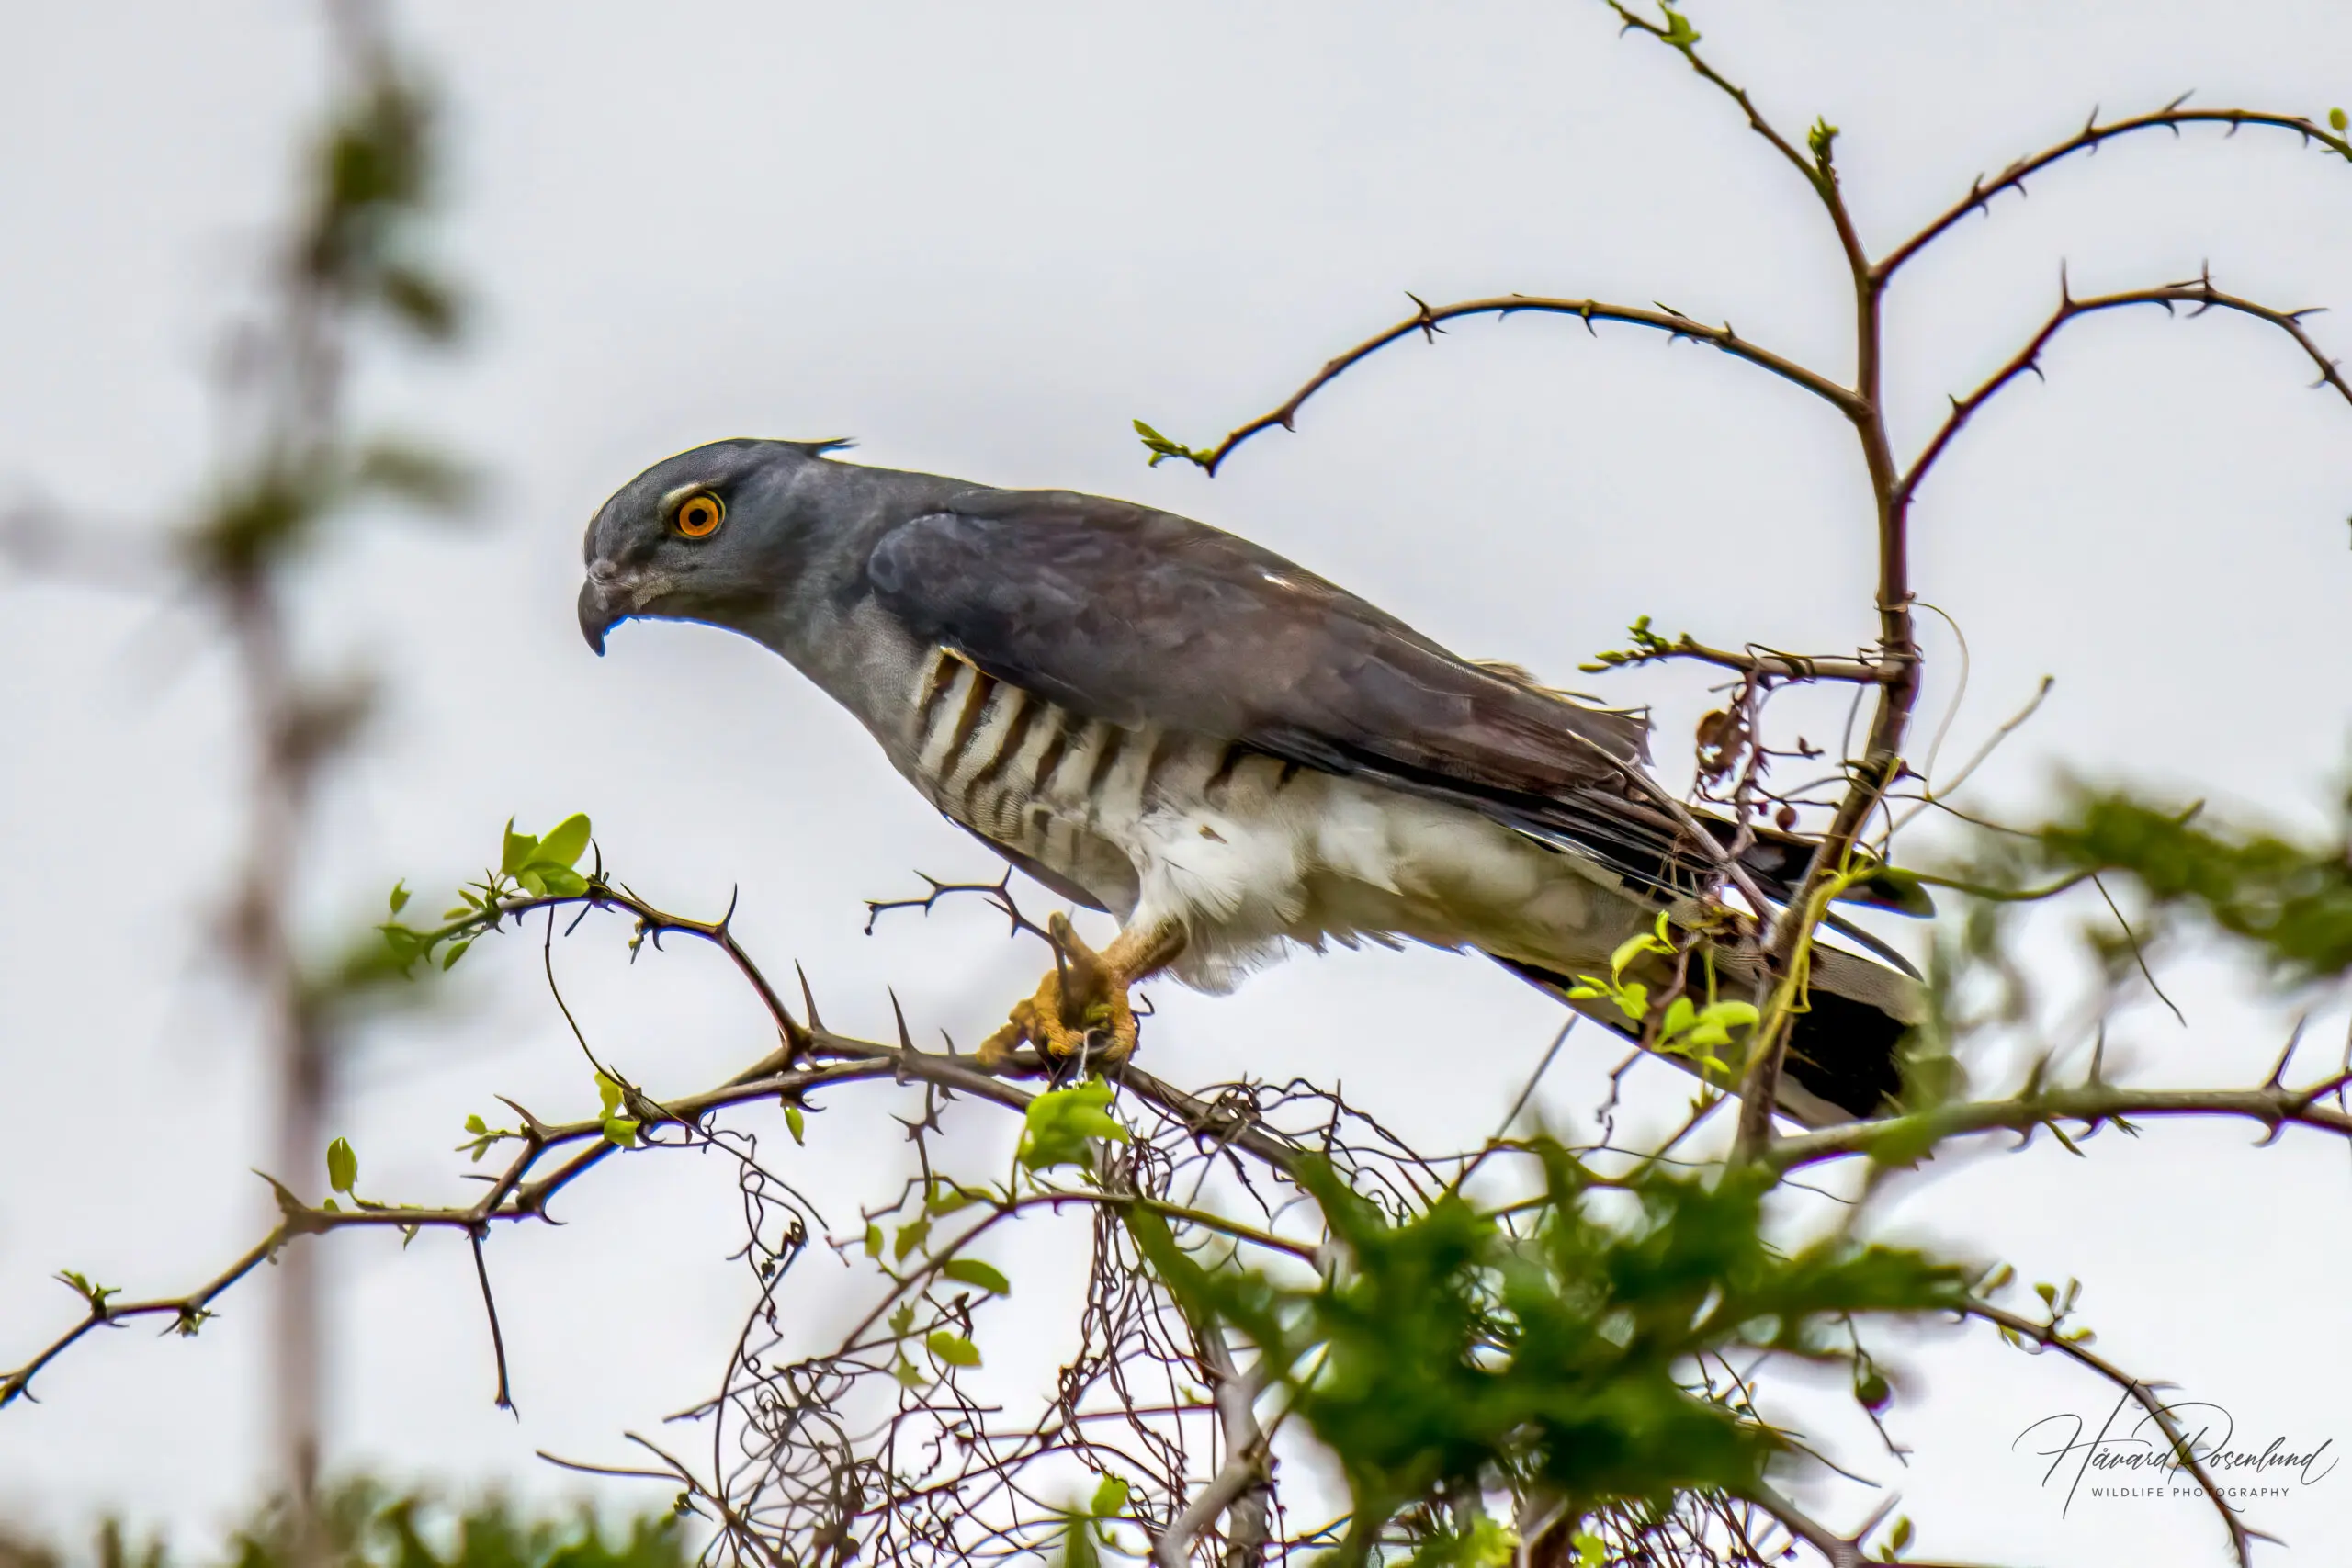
(1127, 615)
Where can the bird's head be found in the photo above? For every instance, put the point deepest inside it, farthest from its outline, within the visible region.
(713, 534)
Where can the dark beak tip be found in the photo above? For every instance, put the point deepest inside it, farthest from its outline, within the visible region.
(594, 619)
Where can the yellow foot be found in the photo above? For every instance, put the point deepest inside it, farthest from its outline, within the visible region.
(1080, 1010)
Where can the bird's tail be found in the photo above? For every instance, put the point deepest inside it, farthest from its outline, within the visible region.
(1842, 1061)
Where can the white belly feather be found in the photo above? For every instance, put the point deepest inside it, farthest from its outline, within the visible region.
(1333, 859)
(1247, 854)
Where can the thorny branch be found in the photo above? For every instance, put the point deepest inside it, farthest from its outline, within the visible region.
(1765, 663)
(2172, 117)
(2198, 293)
(2091, 1105)
(1202, 1133)
(1428, 321)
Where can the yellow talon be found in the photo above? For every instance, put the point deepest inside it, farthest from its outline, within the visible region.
(1081, 1008)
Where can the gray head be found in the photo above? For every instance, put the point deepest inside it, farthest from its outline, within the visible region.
(724, 534)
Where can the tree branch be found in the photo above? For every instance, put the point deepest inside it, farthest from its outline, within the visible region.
(505, 1396)
(187, 1312)
(1903, 1137)
(1679, 36)
(509, 1198)
(1428, 321)
(2198, 293)
(1241, 1483)
(1765, 663)
(2172, 117)
(515, 1194)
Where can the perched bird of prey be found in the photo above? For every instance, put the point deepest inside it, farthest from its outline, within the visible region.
(1232, 755)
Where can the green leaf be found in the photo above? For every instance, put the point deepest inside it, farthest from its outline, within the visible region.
(909, 1237)
(2337, 122)
(903, 1320)
(555, 881)
(1110, 1496)
(92, 1290)
(946, 1198)
(456, 951)
(400, 896)
(1161, 448)
(620, 1131)
(1633, 947)
(342, 1165)
(1679, 33)
(908, 1373)
(872, 1241)
(796, 1123)
(972, 1271)
(610, 1093)
(565, 842)
(1679, 1014)
(533, 883)
(952, 1349)
(521, 849)
(1059, 1124)
(1715, 1021)
(476, 1125)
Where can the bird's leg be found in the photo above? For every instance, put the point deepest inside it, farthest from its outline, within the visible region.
(1081, 1007)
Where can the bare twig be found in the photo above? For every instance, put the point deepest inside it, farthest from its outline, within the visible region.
(2197, 293)
(2172, 117)
(1428, 318)
(1933, 795)
(505, 1398)
(2091, 1104)
(1766, 662)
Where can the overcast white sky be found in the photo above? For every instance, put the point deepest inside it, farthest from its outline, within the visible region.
(981, 239)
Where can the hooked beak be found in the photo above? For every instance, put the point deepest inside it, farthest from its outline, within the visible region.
(615, 594)
(597, 612)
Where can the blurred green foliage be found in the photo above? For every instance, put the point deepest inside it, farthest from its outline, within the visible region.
(2292, 900)
(356, 251)
(368, 1525)
(1454, 1351)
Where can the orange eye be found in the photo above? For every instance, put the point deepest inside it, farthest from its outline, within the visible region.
(699, 514)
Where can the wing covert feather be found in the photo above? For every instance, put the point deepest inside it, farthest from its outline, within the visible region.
(1129, 614)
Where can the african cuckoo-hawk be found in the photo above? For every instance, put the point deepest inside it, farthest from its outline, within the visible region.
(1156, 718)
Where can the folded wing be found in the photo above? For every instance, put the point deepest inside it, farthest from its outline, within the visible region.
(1129, 614)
